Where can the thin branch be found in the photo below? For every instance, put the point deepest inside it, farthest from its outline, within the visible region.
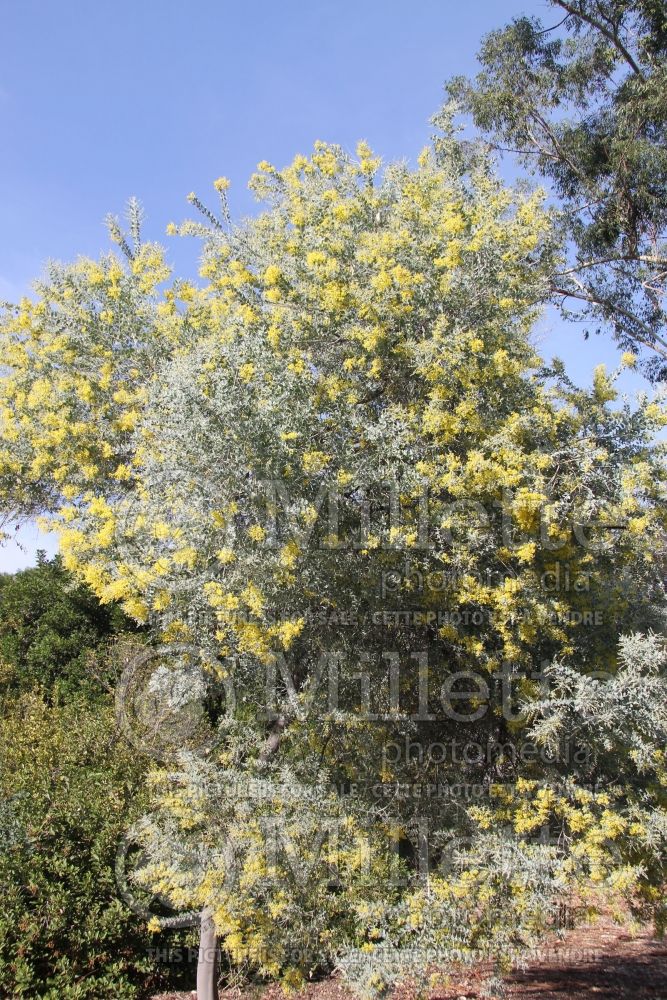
(651, 344)
(273, 739)
(563, 155)
(611, 260)
(547, 31)
(611, 36)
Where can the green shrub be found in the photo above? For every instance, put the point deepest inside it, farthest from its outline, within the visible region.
(68, 789)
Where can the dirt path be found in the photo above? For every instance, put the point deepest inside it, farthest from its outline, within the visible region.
(601, 962)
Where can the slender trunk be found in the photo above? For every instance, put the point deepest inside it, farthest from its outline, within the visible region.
(207, 965)
(273, 739)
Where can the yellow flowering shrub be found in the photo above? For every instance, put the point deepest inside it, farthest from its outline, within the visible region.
(340, 448)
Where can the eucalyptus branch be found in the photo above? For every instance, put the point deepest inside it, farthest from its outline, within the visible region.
(652, 339)
(611, 36)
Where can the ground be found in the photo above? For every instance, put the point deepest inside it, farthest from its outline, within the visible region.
(600, 962)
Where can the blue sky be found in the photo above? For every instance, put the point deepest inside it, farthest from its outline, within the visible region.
(156, 98)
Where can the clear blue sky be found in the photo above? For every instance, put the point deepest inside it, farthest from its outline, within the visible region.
(155, 98)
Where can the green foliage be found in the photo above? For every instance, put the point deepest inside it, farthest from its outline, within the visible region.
(69, 789)
(66, 786)
(50, 624)
(584, 104)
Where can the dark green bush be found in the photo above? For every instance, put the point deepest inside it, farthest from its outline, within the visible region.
(66, 786)
(49, 626)
(70, 788)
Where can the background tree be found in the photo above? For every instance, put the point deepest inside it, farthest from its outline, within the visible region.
(51, 628)
(583, 104)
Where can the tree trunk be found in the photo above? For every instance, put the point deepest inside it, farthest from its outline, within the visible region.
(207, 965)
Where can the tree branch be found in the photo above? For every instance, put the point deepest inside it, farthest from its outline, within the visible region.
(643, 258)
(653, 341)
(273, 739)
(611, 36)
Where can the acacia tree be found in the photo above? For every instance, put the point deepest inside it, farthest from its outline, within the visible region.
(582, 104)
(342, 452)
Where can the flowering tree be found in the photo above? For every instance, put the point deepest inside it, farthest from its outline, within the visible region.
(342, 454)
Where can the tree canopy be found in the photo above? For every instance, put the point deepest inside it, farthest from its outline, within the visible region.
(50, 625)
(582, 104)
(341, 451)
